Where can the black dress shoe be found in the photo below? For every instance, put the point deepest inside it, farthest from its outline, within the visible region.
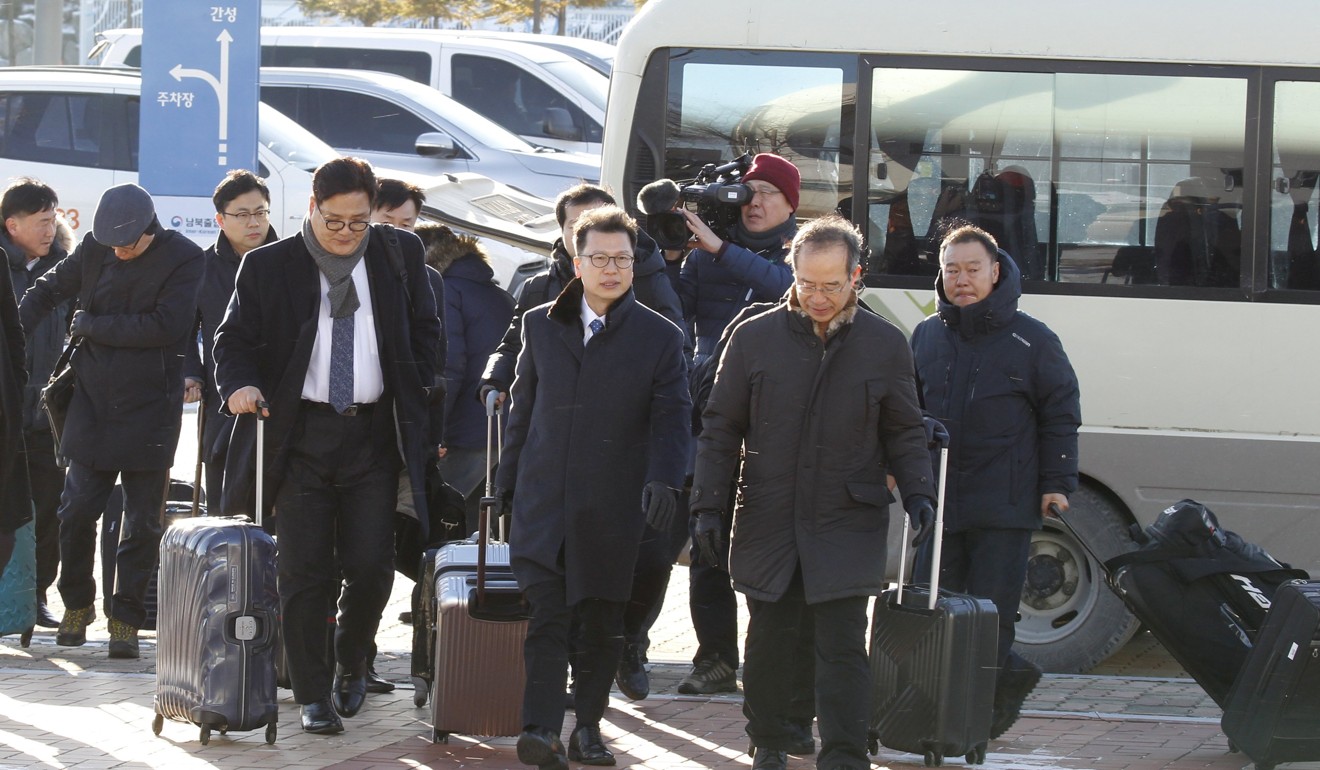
(631, 675)
(770, 759)
(538, 746)
(46, 618)
(320, 718)
(376, 683)
(586, 746)
(349, 691)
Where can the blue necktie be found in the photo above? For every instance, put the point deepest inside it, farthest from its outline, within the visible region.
(596, 325)
(341, 363)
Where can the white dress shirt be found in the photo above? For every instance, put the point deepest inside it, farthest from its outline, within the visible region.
(368, 381)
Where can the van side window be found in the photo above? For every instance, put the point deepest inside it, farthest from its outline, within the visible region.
(70, 129)
(513, 97)
(352, 121)
(414, 65)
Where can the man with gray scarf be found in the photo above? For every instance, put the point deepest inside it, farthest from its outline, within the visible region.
(335, 330)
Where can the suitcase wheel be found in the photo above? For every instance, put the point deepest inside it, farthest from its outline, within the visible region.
(976, 756)
(1264, 766)
(204, 735)
(872, 743)
(1232, 747)
(934, 758)
(26, 639)
(420, 692)
(271, 731)
(157, 722)
(439, 737)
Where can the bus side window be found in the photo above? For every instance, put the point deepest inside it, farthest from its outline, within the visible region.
(1198, 241)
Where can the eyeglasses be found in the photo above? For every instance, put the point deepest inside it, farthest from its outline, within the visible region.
(260, 215)
(335, 225)
(768, 192)
(622, 261)
(830, 289)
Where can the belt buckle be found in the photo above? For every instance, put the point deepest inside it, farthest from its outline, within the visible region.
(350, 411)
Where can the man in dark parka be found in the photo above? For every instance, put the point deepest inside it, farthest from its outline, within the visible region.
(818, 400)
(1002, 385)
(595, 451)
(137, 287)
(35, 239)
(338, 422)
(242, 210)
(15, 499)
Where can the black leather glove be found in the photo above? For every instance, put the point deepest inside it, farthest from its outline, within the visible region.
(921, 512)
(503, 504)
(936, 434)
(80, 324)
(660, 503)
(708, 536)
(487, 387)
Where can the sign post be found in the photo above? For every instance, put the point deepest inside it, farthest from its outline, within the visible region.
(200, 68)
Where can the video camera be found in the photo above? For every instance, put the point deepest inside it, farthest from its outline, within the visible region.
(717, 195)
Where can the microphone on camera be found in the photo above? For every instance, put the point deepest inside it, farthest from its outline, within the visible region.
(658, 197)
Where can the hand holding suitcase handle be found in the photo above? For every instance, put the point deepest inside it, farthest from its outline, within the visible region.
(938, 531)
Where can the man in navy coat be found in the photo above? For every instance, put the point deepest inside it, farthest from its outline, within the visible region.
(336, 329)
(595, 450)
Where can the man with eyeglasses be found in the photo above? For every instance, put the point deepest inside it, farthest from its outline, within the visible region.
(334, 336)
(594, 452)
(242, 210)
(1001, 383)
(136, 285)
(814, 404)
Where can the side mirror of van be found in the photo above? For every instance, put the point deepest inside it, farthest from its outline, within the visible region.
(558, 123)
(435, 144)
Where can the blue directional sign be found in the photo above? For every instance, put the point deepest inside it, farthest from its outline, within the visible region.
(200, 64)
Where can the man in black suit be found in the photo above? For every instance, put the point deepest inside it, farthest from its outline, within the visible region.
(336, 329)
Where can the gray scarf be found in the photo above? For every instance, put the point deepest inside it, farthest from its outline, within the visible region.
(337, 270)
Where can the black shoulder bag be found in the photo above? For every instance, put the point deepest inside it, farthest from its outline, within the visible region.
(58, 393)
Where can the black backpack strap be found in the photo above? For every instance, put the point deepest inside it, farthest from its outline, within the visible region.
(394, 252)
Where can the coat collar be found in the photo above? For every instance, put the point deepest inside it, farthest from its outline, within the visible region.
(839, 321)
(992, 313)
(566, 309)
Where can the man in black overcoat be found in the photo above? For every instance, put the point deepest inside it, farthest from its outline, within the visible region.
(136, 285)
(337, 331)
(595, 451)
(814, 405)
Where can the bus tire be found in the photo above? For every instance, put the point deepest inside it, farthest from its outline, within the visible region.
(1070, 620)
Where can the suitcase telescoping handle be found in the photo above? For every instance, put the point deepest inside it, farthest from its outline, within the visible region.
(261, 459)
(201, 445)
(938, 535)
(494, 447)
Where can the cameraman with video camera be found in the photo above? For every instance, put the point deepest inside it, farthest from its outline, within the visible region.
(721, 277)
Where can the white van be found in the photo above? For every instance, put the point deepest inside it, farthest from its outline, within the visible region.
(545, 96)
(75, 128)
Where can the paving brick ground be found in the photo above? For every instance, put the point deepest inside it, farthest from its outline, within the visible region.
(74, 709)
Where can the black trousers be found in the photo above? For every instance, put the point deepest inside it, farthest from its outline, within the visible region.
(545, 653)
(986, 563)
(47, 480)
(788, 635)
(81, 506)
(335, 523)
(713, 606)
(655, 563)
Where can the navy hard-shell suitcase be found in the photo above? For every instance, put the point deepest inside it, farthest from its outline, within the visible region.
(933, 665)
(18, 587)
(219, 623)
(1273, 711)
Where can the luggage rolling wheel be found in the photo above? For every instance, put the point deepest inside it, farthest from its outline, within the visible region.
(26, 639)
(439, 737)
(224, 731)
(204, 735)
(157, 722)
(872, 743)
(1232, 748)
(934, 758)
(421, 690)
(1264, 766)
(977, 755)
(271, 730)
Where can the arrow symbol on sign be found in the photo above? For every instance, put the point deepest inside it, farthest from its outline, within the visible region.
(220, 86)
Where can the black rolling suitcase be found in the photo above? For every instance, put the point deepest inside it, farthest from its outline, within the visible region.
(1202, 591)
(218, 635)
(933, 665)
(1273, 711)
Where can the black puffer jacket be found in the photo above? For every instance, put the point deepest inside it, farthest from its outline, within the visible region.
(1000, 382)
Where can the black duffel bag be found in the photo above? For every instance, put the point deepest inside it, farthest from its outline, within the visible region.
(56, 397)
